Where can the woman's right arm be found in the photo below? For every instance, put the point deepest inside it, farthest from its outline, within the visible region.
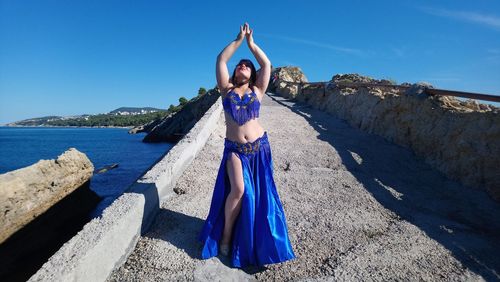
(221, 70)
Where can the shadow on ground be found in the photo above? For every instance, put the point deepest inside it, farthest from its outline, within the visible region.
(182, 231)
(463, 220)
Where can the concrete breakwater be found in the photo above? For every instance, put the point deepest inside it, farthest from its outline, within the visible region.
(41, 207)
(104, 243)
(460, 139)
(336, 209)
(353, 212)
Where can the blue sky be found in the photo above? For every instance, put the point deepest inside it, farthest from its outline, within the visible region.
(87, 57)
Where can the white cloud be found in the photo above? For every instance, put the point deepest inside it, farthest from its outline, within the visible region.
(474, 17)
(352, 51)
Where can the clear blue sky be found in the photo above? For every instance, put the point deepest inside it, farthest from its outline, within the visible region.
(76, 57)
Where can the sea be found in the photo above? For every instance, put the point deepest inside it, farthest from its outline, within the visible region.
(24, 146)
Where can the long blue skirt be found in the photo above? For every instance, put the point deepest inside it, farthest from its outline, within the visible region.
(260, 234)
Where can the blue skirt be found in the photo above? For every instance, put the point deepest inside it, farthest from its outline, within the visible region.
(260, 234)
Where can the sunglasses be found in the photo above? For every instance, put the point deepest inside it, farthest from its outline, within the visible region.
(246, 64)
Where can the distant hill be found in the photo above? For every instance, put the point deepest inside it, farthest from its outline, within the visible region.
(121, 117)
(124, 116)
(35, 121)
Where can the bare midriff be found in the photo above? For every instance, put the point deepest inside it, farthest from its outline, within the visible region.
(245, 133)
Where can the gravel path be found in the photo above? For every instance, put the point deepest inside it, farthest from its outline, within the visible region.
(357, 207)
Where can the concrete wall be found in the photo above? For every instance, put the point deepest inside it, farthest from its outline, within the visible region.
(105, 243)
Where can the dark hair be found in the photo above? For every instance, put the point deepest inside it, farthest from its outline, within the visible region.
(253, 75)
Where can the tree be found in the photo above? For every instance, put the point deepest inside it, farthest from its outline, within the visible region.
(171, 108)
(202, 91)
(182, 101)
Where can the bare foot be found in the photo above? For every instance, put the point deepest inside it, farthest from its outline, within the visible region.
(224, 249)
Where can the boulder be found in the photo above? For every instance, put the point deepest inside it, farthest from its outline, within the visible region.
(41, 207)
(281, 75)
(28, 192)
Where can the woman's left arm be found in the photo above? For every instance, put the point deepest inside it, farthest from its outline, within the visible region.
(265, 65)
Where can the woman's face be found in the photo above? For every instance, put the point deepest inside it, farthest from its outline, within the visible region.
(243, 71)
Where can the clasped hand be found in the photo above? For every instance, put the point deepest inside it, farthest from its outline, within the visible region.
(246, 32)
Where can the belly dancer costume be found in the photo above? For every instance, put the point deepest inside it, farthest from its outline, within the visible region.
(260, 234)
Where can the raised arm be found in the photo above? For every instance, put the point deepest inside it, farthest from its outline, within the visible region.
(265, 65)
(221, 71)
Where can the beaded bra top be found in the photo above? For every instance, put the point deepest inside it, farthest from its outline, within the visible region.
(243, 109)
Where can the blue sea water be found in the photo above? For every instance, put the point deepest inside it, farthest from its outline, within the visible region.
(24, 146)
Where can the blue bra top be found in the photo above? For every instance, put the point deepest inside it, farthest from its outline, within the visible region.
(243, 109)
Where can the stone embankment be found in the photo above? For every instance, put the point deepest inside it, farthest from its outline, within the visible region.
(41, 207)
(459, 138)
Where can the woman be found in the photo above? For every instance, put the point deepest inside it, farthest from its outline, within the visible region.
(246, 220)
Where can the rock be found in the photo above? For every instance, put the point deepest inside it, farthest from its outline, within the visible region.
(282, 75)
(41, 207)
(148, 127)
(28, 192)
(485, 107)
(386, 81)
(351, 78)
(174, 126)
(106, 168)
(357, 78)
(179, 191)
(418, 90)
(472, 104)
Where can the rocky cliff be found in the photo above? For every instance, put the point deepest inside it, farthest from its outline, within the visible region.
(174, 126)
(459, 138)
